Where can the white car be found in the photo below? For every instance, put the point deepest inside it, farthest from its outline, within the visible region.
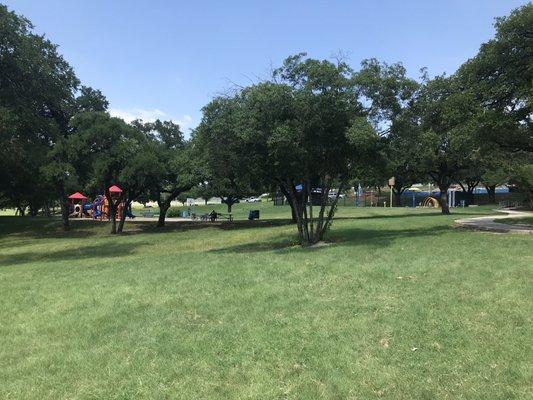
(253, 200)
(332, 195)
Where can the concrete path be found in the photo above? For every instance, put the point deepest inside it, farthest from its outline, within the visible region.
(154, 219)
(488, 223)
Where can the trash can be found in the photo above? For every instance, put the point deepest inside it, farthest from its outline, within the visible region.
(253, 214)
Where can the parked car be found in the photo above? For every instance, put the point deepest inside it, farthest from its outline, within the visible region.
(253, 200)
(332, 195)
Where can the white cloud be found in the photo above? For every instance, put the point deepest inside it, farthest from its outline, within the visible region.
(150, 115)
(184, 121)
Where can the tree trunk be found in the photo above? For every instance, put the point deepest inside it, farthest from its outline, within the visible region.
(205, 200)
(64, 212)
(445, 208)
(113, 221)
(21, 210)
(297, 202)
(121, 221)
(470, 195)
(34, 210)
(123, 216)
(293, 211)
(325, 222)
(46, 209)
(309, 230)
(491, 192)
(291, 203)
(397, 192)
(228, 201)
(163, 208)
(113, 207)
(112, 216)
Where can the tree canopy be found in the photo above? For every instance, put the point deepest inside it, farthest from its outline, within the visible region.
(309, 131)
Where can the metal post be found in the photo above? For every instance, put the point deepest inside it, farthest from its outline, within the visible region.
(392, 182)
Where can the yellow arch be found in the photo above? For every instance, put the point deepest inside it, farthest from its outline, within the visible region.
(430, 202)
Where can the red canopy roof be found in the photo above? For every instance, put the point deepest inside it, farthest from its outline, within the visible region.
(115, 189)
(77, 196)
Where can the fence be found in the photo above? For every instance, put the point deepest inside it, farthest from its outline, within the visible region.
(415, 199)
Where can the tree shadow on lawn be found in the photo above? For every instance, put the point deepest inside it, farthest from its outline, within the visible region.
(44, 228)
(105, 250)
(388, 216)
(181, 226)
(20, 228)
(178, 226)
(377, 238)
(422, 214)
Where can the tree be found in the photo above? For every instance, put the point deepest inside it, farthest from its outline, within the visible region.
(499, 80)
(402, 161)
(36, 95)
(269, 107)
(316, 147)
(177, 171)
(523, 177)
(387, 92)
(90, 99)
(203, 190)
(140, 174)
(223, 154)
(500, 77)
(107, 149)
(444, 119)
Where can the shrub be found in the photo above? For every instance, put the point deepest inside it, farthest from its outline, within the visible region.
(174, 212)
(524, 179)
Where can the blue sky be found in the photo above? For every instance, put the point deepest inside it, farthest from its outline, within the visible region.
(166, 59)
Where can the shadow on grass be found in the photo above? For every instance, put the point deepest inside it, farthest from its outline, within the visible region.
(44, 228)
(389, 216)
(106, 250)
(345, 237)
(181, 226)
(437, 213)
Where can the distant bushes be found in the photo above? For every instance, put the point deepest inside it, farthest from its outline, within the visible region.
(174, 212)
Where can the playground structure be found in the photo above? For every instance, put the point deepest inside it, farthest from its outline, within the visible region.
(77, 203)
(98, 209)
(430, 202)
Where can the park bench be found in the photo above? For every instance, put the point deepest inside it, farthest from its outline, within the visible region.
(229, 217)
(215, 216)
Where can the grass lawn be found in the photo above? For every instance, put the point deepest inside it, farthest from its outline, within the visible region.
(528, 221)
(401, 305)
(7, 212)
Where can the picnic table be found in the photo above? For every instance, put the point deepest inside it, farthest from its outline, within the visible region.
(213, 216)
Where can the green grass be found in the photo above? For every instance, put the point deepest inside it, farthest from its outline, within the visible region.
(239, 210)
(401, 305)
(517, 221)
(7, 212)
